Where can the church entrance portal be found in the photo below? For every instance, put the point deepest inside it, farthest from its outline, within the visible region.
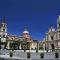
(52, 46)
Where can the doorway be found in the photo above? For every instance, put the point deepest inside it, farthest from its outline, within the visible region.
(52, 46)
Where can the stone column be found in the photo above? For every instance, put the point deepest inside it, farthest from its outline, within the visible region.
(8, 47)
(20, 46)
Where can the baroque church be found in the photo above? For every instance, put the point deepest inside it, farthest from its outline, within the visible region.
(9, 41)
(25, 42)
(52, 39)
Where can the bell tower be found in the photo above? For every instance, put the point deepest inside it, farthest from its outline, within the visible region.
(58, 23)
(3, 31)
(58, 27)
(3, 25)
(58, 31)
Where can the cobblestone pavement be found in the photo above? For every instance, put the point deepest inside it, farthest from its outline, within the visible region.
(33, 56)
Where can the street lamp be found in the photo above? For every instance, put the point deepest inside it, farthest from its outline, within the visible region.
(46, 47)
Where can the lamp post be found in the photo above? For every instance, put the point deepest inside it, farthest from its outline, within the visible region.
(46, 45)
(37, 48)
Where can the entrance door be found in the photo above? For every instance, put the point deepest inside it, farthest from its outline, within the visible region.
(52, 46)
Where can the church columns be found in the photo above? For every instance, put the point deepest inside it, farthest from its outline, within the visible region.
(20, 47)
(8, 45)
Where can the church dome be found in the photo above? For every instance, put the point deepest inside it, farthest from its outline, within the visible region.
(25, 32)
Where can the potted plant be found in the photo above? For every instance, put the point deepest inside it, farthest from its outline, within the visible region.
(11, 54)
(56, 55)
(42, 55)
(28, 54)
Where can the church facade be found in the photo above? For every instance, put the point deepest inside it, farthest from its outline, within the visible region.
(25, 42)
(9, 41)
(52, 39)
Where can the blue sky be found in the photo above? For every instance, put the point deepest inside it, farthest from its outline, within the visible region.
(37, 15)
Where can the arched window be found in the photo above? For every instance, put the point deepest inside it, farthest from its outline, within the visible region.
(3, 29)
(51, 37)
